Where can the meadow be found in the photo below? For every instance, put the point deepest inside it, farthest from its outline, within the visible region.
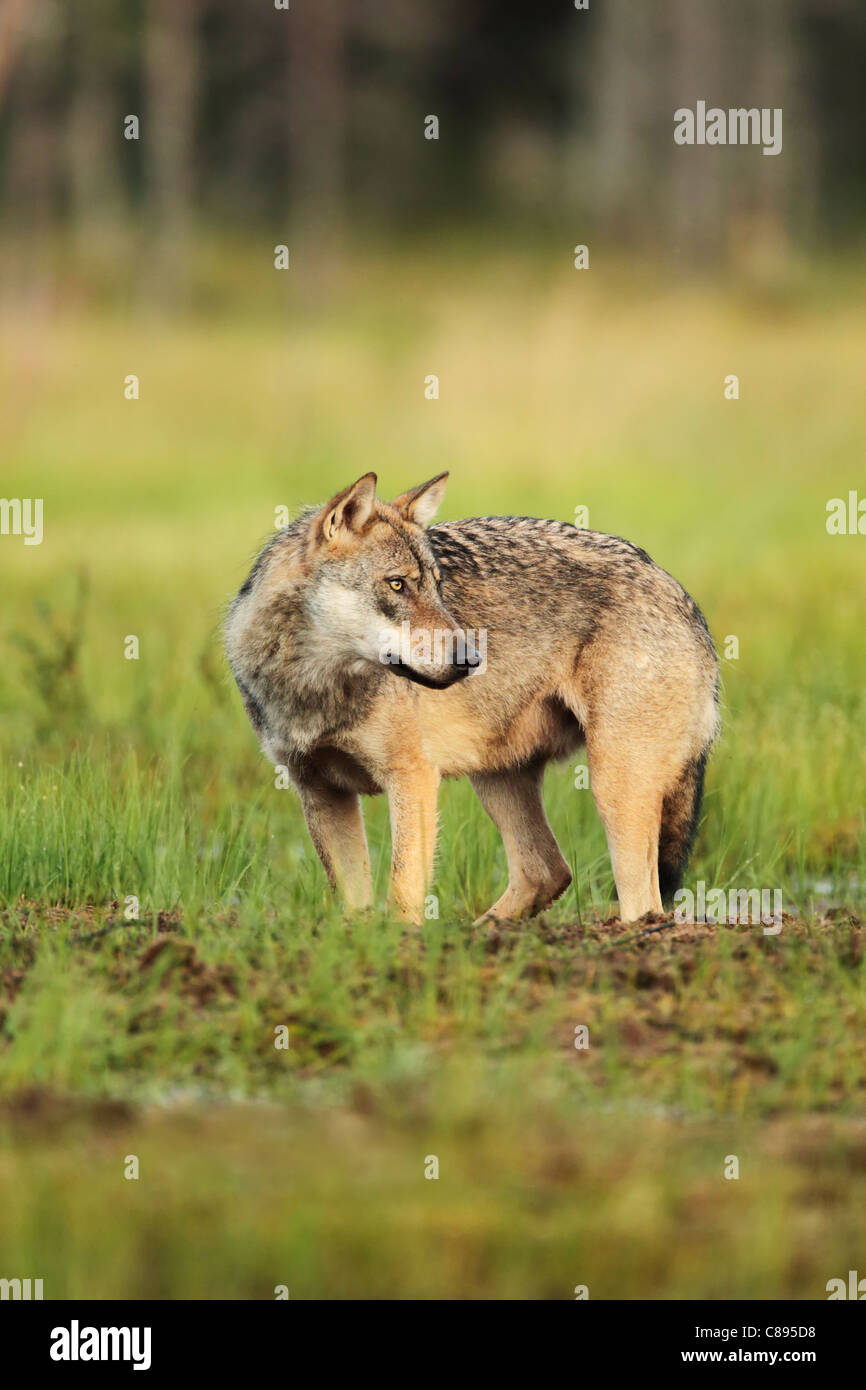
(155, 1037)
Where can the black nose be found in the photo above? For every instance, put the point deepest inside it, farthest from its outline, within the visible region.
(467, 661)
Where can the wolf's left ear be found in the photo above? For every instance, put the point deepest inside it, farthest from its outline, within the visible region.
(351, 509)
(422, 503)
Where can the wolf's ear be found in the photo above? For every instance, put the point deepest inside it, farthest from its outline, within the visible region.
(351, 509)
(422, 503)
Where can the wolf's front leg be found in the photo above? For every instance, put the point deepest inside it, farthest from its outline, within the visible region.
(336, 828)
(412, 804)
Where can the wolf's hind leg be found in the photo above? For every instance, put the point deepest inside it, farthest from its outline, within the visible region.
(629, 801)
(537, 872)
(336, 828)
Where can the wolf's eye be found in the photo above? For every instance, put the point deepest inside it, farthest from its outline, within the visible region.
(396, 585)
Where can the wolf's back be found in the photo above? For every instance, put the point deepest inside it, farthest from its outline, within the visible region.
(530, 571)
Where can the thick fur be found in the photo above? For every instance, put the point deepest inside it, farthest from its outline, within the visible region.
(587, 641)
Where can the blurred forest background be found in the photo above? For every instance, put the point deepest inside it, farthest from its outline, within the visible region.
(307, 124)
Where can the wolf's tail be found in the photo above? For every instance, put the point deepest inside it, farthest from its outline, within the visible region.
(681, 809)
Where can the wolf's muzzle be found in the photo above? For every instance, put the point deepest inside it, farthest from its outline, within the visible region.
(457, 672)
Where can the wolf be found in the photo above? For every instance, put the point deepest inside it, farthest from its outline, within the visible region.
(588, 643)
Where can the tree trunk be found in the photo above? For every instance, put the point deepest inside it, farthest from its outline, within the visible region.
(168, 137)
(316, 124)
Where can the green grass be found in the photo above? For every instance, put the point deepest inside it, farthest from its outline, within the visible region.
(155, 1036)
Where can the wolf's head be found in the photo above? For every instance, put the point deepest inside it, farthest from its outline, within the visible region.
(373, 594)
